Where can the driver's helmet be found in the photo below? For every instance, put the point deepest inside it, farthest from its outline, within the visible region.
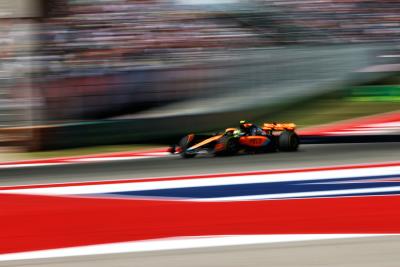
(244, 124)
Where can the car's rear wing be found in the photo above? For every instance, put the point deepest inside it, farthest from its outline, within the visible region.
(279, 126)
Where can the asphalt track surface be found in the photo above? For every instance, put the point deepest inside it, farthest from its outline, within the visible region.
(173, 165)
(377, 251)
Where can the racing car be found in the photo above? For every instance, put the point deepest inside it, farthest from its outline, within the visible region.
(268, 138)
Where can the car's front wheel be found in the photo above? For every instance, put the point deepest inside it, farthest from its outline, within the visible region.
(184, 144)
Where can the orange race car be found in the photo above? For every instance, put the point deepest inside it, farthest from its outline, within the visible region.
(248, 138)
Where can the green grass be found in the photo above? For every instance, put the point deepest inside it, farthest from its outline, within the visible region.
(323, 111)
(350, 102)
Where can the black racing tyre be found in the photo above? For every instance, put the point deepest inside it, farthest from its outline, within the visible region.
(184, 144)
(288, 141)
(231, 146)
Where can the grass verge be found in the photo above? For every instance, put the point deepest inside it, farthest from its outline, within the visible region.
(327, 110)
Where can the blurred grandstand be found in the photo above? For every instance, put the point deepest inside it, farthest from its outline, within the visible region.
(81, 60)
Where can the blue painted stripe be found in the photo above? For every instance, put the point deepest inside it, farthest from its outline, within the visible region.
(266, 188)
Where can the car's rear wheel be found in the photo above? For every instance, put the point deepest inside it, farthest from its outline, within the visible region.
(184, 144)
(288, 141)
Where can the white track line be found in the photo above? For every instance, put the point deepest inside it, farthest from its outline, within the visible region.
(111, 158)
(228, 180)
